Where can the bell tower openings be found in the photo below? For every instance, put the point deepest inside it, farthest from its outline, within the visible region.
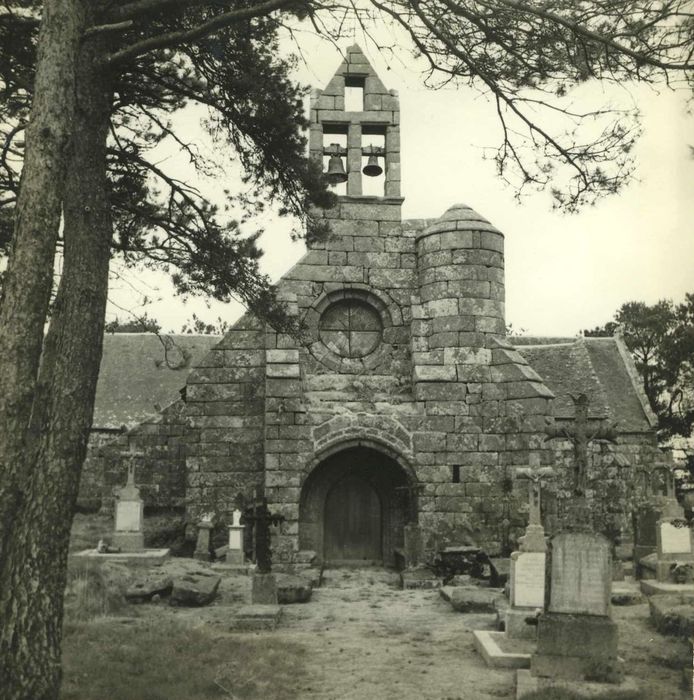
(355, 130)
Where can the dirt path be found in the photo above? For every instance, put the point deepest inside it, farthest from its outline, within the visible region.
(361, 636)
(368, 639)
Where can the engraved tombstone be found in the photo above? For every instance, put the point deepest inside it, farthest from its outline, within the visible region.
(673, 534)
(576, 633)
(528, 576)
(581, 571)
(235, 549)
(128, 535)
(528, 565)
(674, 540)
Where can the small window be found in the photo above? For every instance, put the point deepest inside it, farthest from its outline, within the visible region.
(354, 94)
(455, 469)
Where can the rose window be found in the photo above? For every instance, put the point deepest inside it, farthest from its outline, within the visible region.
(351, 328)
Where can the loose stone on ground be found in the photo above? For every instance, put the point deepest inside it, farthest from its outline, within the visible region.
(195, 589)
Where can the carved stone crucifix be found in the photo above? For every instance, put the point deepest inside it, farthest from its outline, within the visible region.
(261, 518)
(130, 490)
(581, 434)
(535, 478)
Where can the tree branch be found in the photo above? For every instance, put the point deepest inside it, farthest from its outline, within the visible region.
(206, 28)
(583, 31)
(103, 28)
(132, 10)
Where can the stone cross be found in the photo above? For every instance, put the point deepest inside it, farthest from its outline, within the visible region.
(261, 518)
(130, 490)
(642, 484)
(581, 438)
(535, 478)
(668, 503)
(534, 538)
(411, 492)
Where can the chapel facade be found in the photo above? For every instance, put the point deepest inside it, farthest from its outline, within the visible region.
(406, 405)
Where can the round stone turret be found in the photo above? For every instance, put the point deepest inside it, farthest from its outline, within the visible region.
(460, 259)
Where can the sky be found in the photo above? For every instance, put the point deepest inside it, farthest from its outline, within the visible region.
(564, 272)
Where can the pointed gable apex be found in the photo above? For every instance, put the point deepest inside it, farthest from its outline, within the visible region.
(355, 64)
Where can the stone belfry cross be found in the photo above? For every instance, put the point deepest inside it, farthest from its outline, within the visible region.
(581, 435)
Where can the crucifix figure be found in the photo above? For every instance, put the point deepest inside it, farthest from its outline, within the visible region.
(534, 538)
(535, 478)
(581, 437)
(261, 518)
(130, 490)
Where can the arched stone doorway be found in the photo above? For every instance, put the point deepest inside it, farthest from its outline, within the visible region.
(354, 506)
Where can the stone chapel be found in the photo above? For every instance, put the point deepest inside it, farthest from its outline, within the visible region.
(408, 405)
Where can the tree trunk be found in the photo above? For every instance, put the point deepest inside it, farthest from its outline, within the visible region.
(32, 579)
(29, 276)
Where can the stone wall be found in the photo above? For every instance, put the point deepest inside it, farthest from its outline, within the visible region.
(613, 485)
(225, 397)
(161, 444)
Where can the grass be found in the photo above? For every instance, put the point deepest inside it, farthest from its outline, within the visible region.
(168, 660)
(88, 529)
(160, 529)
(566, 694)
(95, 591)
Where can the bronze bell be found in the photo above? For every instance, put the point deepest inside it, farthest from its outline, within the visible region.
(336, 170)
(372, 168)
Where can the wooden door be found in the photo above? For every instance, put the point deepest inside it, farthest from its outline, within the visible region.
(352, 522)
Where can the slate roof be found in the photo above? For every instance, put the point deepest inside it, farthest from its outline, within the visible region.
(598, 367)
(138, 376)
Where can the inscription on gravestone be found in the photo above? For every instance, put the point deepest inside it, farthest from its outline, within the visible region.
(129, 516)
(529, 579)
(581, 574)
(675, 540)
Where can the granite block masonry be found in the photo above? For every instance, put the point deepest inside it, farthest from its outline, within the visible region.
(396, 421)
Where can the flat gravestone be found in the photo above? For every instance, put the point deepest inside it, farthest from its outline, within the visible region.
(674, 540)
(129, 516)
(581, 574)
(528, 579)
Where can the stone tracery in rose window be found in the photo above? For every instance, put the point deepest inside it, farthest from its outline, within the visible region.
(351, 328)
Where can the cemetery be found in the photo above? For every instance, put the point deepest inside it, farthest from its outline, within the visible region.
(407, 503)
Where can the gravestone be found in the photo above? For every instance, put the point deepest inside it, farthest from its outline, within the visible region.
(128, 535)
(576, 637)
(235, 549)
(508, 649)
(202, 546)
(675, 555)
(645, 525)
(528, 565)
(673, 562)
(264, 585)
(528, 576)
(127, 541)
(581, 574)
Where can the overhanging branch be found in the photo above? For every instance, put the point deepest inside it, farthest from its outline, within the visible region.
(205, 29)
